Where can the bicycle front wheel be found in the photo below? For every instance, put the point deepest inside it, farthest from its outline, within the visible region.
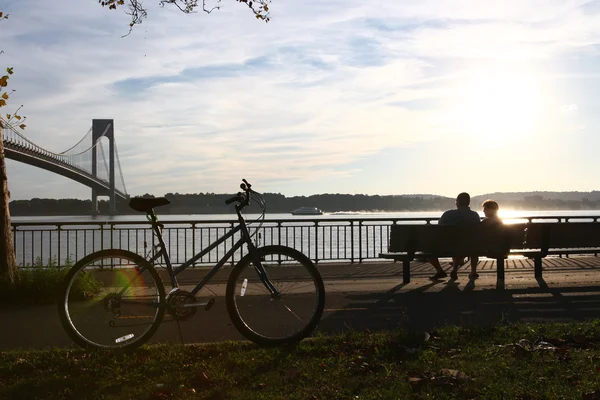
(287, 314)
(111, 299)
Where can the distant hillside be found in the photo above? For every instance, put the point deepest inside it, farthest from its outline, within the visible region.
(565, 196)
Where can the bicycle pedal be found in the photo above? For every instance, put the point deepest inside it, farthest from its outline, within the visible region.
(209, 304)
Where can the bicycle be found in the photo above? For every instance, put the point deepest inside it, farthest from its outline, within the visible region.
(116, 298)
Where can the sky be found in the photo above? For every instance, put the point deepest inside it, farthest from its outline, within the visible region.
(360, 97)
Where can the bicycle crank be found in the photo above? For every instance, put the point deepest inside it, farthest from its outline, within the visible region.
(206, 305)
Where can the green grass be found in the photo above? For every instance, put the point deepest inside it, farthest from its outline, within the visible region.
(40, 283)
(503, 362)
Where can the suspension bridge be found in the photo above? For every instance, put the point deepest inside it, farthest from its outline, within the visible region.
(86, 162)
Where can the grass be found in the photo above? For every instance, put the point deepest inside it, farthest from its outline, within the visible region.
(40, 283)
(520, 361)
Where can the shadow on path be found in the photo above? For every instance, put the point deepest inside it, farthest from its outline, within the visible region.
(421, 309)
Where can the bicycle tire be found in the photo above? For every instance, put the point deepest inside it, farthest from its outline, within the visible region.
(111, 299)
(266, 320)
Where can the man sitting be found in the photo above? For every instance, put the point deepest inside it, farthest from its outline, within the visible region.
(461, 215)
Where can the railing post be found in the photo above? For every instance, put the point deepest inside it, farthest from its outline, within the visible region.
(194, 239)
(101, 236)
(58, 232)
(316, 242)
(360, 241)
(231, 226)
(279, 233)
(351, 242)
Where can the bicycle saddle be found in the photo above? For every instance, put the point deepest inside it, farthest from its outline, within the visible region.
(145, 205)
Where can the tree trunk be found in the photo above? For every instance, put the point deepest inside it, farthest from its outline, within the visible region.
(8, 264)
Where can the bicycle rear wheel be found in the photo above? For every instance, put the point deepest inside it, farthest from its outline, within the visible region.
(111, 299)
(269, 319)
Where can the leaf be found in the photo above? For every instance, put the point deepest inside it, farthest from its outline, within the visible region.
(4, 81)
(10, 70)
(5, 96)
(8, 116)
(579, 339)
(415, 380)
(201, 381)
(555, 342)
(259, 385)
(456, 374)
(573, 380)
(22, 126)
(0, 14)
(18, 117)
(2, 103)
(595, 395)
(294, 374)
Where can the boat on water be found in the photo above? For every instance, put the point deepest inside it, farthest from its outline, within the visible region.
(307, 211)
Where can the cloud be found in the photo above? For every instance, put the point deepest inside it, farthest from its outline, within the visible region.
(200, 101)
(569, 108)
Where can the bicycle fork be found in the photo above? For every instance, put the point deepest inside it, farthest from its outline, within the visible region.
(262, 273)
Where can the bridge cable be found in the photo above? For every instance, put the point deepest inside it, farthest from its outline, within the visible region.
(119, 165)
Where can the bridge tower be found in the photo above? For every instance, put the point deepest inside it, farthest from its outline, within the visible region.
(98, 128)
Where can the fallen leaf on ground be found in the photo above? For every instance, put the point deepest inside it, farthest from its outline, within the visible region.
(454, 373)
(595, 395)
(259, 385)
(201, 380)
(573, 380)
(545, 346)
(555, 342)
(580, 339)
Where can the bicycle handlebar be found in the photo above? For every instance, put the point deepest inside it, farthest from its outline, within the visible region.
(242, 198)
(237, 197)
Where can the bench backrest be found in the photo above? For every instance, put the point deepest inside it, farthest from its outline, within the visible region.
(563, 235)
(480, 239)
(457, 240)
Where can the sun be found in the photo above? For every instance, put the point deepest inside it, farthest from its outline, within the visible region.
(499, 107)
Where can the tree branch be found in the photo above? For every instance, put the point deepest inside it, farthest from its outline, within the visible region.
(138, 13)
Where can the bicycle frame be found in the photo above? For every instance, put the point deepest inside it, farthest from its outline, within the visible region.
(173, 272)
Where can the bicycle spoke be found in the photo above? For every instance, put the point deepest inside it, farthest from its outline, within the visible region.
(289, 316)
(294, 314)
(111, 307)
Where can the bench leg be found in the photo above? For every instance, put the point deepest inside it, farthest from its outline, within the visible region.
(500, 273)
(537, 262)
(406, 271)
(500, 268)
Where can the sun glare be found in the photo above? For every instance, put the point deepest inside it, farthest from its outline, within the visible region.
(499, 107)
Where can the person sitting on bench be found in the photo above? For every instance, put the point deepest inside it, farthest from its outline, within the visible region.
(461, 215)
(490, 209)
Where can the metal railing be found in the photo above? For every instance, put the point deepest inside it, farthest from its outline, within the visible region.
(331, 240)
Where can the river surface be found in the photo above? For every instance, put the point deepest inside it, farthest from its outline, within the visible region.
(506, 214)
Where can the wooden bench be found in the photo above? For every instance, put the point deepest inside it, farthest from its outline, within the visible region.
(532, 240)
(558, 238)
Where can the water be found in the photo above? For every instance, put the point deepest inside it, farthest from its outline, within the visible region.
(340, 215)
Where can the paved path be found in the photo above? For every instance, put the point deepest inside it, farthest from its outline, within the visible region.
(372, 296)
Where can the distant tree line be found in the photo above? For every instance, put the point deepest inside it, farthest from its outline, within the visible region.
(212, 203)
